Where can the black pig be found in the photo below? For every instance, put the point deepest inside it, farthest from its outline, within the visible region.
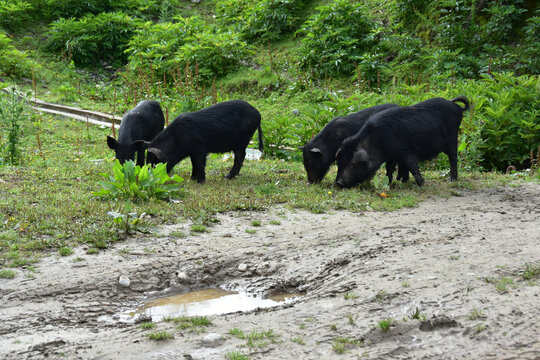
(404, 135)
(320, 152)
(143, 122)
(227, 126)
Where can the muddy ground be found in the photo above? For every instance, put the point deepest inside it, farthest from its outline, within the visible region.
(457, 263)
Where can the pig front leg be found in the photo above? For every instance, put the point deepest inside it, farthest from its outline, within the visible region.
(198, 163)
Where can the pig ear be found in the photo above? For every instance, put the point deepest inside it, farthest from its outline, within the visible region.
(141, 145)
(360, 156)
(316, 151)
(157, 153)
(112, 143)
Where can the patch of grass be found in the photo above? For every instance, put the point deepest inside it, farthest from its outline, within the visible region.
(198, 228)
(385, 324)
(352, 319)
(275, 222)
(147, 325)
(255, 223)
(416, 314)
(251, 231)
(65, 251)
(476, 314)
(503, 283)
(160, 335)
(196, 324)
(237, 333)
(298, 340)
(350, 296)
(479, 328)
(92, 251)
(341, 344)
(405, 284)
(7, 274)
(531, 271)
(259, 339)
(178, 234)
(235, 355)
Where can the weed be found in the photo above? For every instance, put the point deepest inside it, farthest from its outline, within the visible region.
(350, 295)
(235, 355)
(251, 231)
(7, 274)
(454, 257)
(255, 223)
(178, 234)
(237, 333)
(198, 228)
(258, 339)
(65, 251)
(160, 335)
(333, 327)
(380, 296)
(405, 284)
(147, 325)
(417, 315)
(92, 251)
(531, 271)
(275, 222)
(340, 344)
(385, 324)
(502, 284)
(352, 319)
(131, 181)
(476, 314)
(196, 324)
(480, 327)
(298, 341)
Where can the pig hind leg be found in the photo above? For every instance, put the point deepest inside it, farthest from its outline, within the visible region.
(411, 164)
(452, 158)
(239, 156)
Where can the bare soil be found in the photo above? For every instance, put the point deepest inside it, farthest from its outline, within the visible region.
(456, 263)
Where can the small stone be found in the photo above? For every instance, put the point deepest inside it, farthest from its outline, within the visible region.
(182, 276)
(124, 281)
(212, 340)
(242, 267)
(295, 112)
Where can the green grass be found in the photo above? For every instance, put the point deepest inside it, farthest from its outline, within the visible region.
(385, 324)
(46, 203)
(235, 355)
(197, 324)
(7, 274)
(160, 335)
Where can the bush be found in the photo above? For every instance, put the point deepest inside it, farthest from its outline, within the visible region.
(93, 38)
(190, 42)
(14, 63)
(11, 114)
(13, 13)
(55, 9)
(267, 20)
(335, 38)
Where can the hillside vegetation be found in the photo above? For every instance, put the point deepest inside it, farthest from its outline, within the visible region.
(323, 58)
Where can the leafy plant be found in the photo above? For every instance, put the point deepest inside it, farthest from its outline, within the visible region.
(130, 181)
(93, 38)
(385, 324)
(12, 111)
(160, 335)
(336, 37)
(13, 62)
(7, 274)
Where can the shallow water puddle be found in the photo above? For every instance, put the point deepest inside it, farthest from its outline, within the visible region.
(207, 302)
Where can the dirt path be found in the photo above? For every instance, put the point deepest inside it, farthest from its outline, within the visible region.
(457, 263)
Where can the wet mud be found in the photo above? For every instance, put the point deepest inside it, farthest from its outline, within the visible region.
(447, 277)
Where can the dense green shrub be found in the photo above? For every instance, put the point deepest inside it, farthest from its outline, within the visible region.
(263, 20)
(93, 38)
(54, 9)
(11, 113)
(337, 37)
(14, 63)
(510, 114)
(13, 13)
(171, 47)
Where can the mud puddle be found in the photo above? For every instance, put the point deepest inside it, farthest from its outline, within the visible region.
(204, 302)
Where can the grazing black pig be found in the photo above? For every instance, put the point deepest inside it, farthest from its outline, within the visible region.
(404, 135)
(143, 122)
(320, 152)
(227, 126)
